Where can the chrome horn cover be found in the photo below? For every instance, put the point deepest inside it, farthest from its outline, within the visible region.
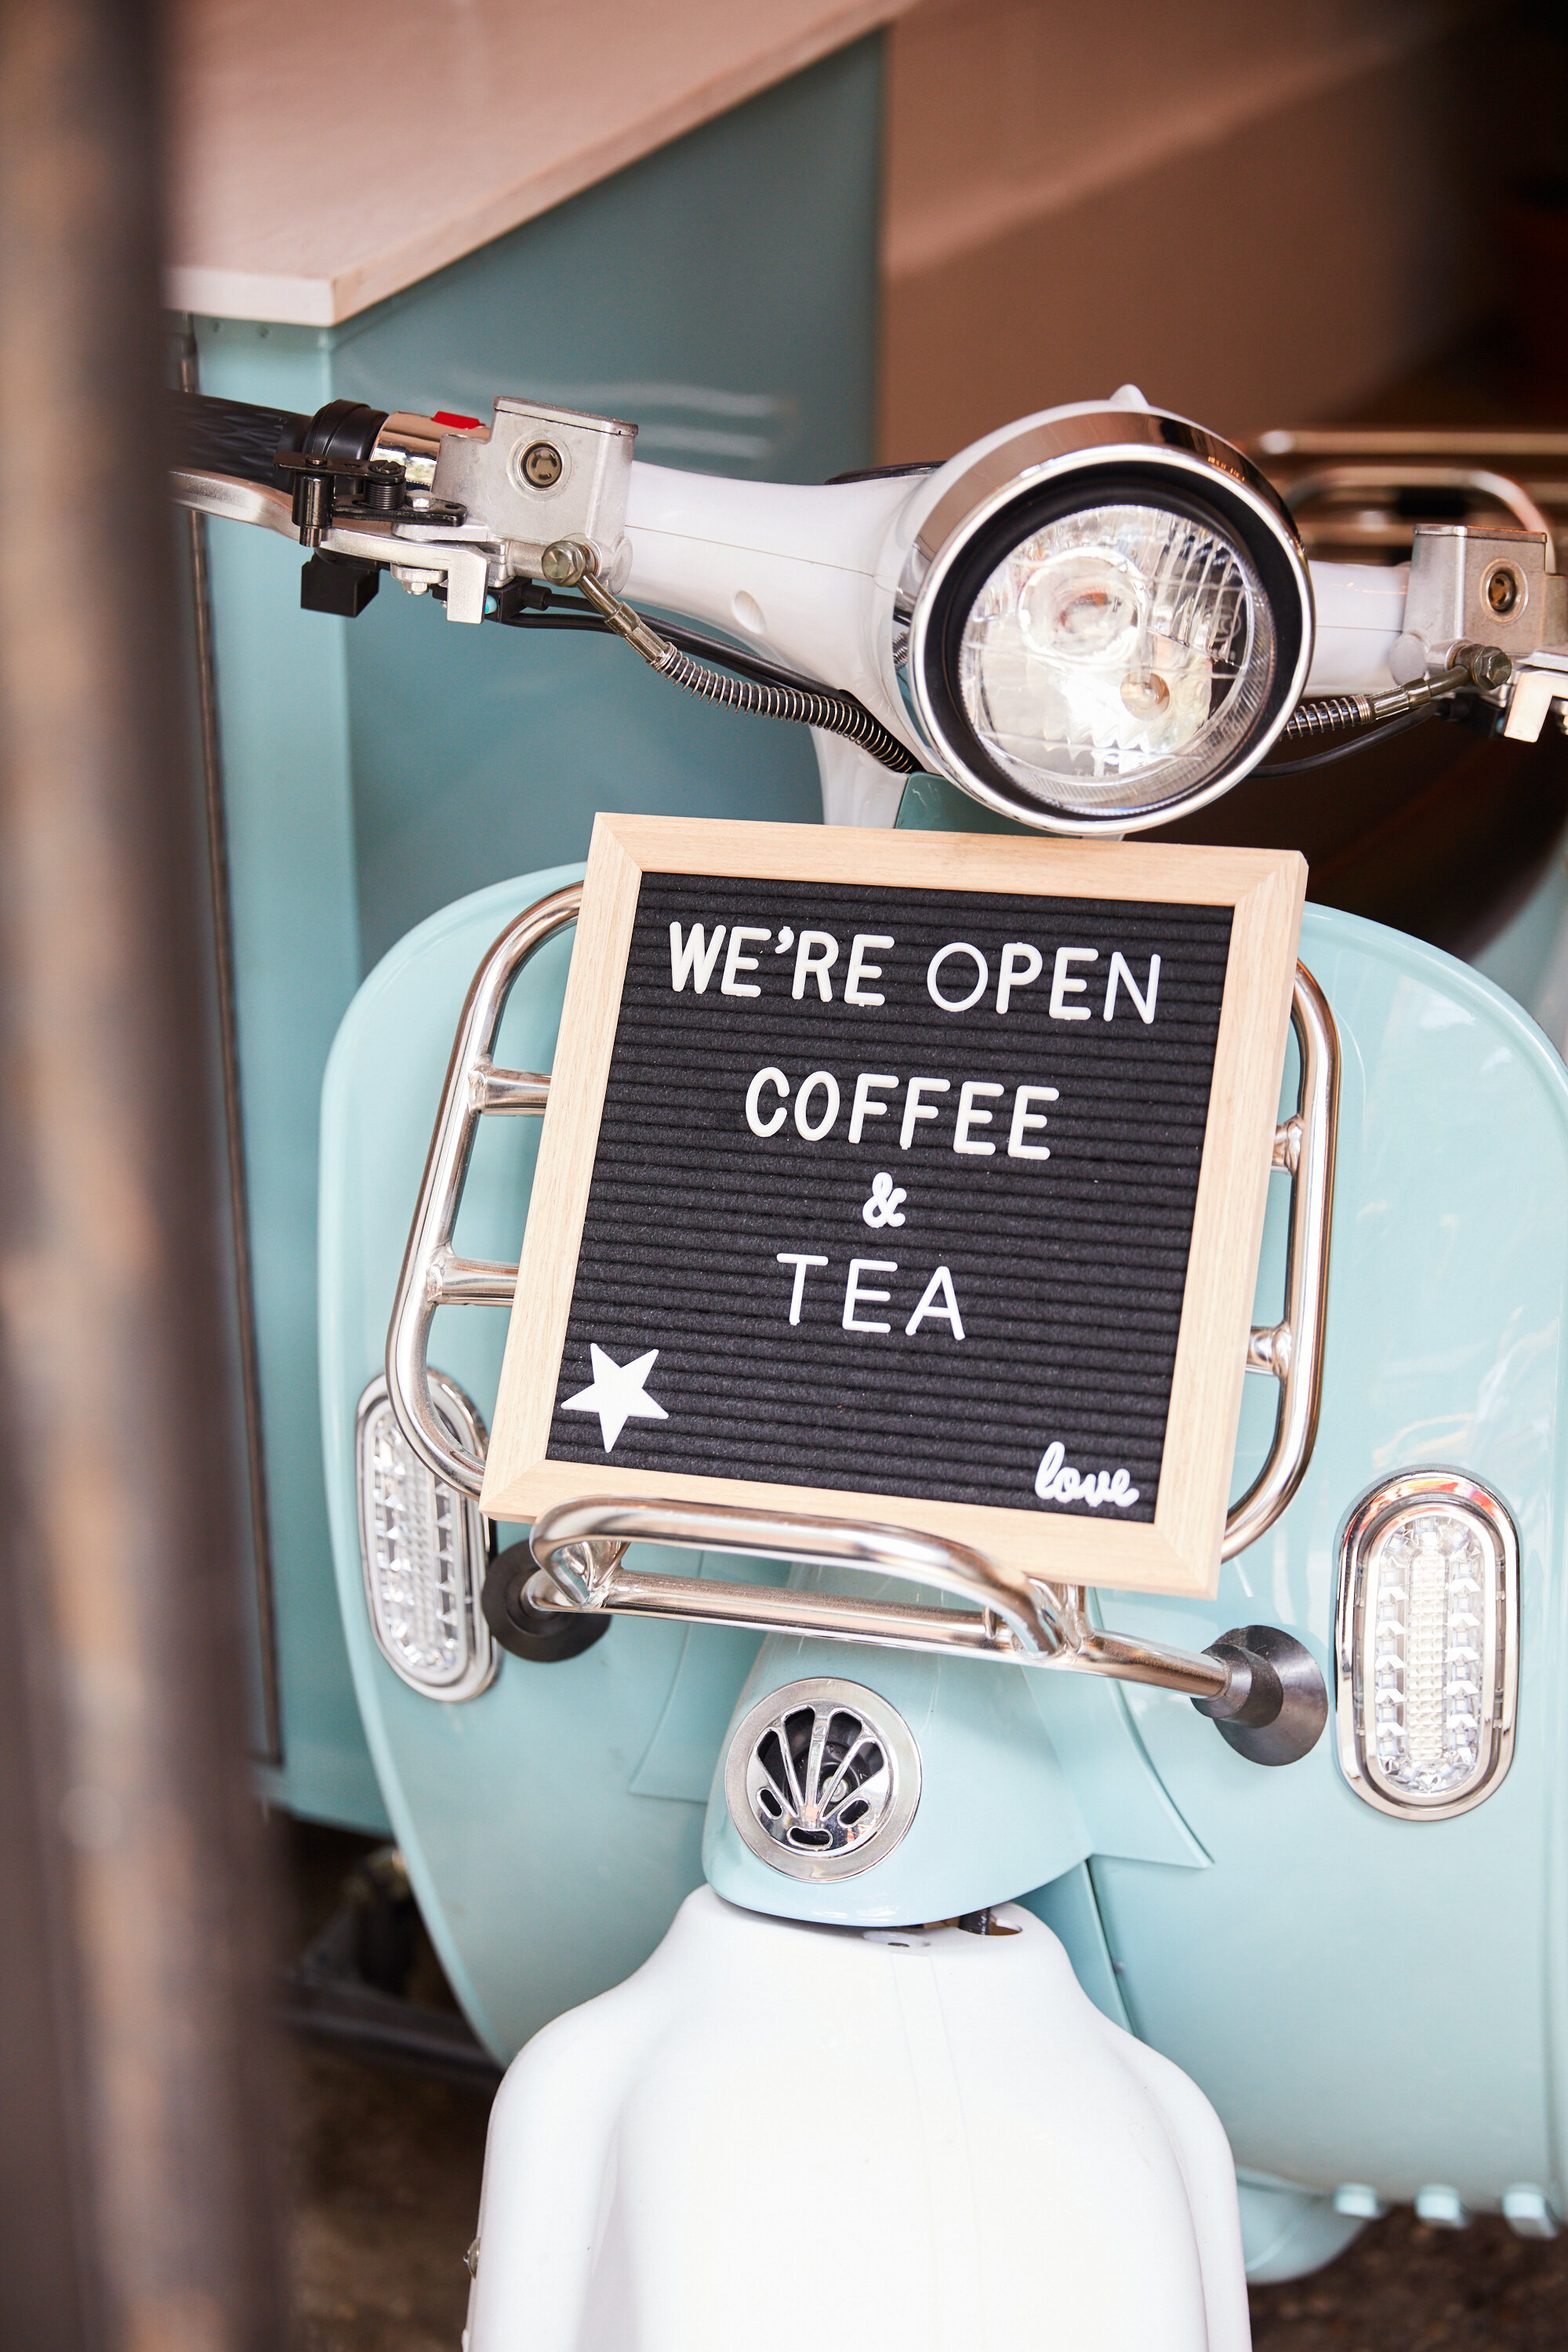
(822, 1779)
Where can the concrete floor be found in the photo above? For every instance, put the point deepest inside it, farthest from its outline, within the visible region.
(384, 2180)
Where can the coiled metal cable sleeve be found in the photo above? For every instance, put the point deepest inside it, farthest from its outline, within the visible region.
(1361, 739)
(568, 563)
(1324, 715)
(1487, 667)
(781, 694)
(836, 714)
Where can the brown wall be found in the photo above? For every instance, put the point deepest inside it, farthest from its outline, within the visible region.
(1256, 211)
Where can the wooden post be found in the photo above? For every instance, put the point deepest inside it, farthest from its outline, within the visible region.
(134, 2206)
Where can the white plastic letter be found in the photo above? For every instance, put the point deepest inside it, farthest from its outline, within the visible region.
(800, 1261)
(1021, 967)
(814, 960)
(1023, 1118)
(860, 969)
(914, 1108)
(969, 1117)
(1051, 1461)
(735, 961)
(864, 1107)
(962, 1004)
(1056, 1481)
(937, 1299)
(754, 1119)
(826, 1080)
(855, 1297)
(1063, 984)
(1146, 1003)
(693, 957)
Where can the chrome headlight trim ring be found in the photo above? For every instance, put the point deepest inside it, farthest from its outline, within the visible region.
(1043, 469)
(1407, 1497)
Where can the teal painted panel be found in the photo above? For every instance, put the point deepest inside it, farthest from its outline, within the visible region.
(1363, 1998)
(283, 708)
(718, 293)
(551, 1825)
(971, 1721)
(480, 751)
(723, 293)
(1366, 1998)
(486, 1868)
(1070, 1910)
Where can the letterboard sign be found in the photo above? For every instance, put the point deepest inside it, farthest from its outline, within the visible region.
(907, 1177)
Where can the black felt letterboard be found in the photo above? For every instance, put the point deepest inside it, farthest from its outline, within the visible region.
(1065, 1274)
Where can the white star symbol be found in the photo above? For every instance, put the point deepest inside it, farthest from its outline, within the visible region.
(618, 1394)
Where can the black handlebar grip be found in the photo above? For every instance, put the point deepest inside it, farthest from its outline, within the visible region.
(230, 436)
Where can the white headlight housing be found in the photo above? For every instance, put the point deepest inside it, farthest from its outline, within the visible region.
(1105, 619)
(423, 1548)
(1427, 1645)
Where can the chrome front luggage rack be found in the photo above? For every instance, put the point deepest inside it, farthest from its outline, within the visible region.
(1261, 1686)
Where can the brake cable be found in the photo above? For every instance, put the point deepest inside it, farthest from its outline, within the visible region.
(1361, 740)
(1374, 717)
(538, 607)
(569, 563)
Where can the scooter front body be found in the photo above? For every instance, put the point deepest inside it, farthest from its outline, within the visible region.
(1369, 2000)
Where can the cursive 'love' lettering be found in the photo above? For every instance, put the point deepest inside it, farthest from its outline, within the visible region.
(1056, 1481)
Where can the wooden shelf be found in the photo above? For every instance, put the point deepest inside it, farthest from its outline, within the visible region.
(326, 158)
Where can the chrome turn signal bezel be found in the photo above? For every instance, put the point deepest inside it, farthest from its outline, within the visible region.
(1369, 1525)
(478, 1658)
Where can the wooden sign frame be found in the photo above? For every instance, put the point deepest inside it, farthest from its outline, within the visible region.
(1179, 1551)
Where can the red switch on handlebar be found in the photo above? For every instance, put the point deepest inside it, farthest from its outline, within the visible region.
(442, 416)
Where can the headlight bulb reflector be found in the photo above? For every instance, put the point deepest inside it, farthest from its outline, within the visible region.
(1117, 655)
(1428, 1642)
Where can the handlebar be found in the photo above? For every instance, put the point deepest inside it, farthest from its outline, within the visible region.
(440, 500)
(232, 436)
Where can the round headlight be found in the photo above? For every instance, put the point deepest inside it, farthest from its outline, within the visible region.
(1106, 618)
